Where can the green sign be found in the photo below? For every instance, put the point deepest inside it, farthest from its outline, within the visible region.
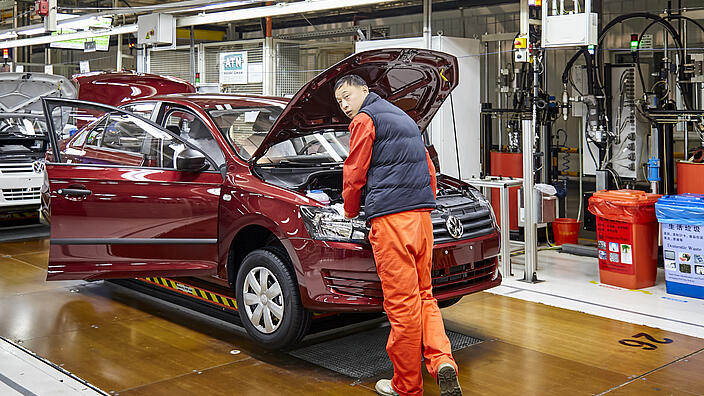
(102, 43)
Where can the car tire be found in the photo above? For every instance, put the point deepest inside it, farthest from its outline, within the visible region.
(275, 318)
(449, 302)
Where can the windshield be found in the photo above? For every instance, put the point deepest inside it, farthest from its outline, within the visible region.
(23, 135)
(325, 147)
(245, 128)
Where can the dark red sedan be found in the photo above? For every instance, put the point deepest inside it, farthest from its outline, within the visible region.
(219, 187)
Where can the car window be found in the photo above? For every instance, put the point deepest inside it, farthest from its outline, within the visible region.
(193, 130)
(143, 109)
(112, 138)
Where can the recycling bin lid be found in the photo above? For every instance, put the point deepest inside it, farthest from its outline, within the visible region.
(633, 206)
(681, 209)
(627, 197)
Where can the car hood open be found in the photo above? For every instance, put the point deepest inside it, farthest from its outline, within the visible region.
(22, 92)
(416, 80)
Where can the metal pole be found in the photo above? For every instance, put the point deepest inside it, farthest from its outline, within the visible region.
(543, 146)
(486, 72)
(118, 65)
(192, 56)
(427, 18)
(528, 133)
(505, 241)
(14, 26)
(146, 55)
(269, 61)
(529, 226)
(685, 125)
(499, 94)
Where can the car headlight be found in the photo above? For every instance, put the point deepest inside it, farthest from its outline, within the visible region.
(478, 196)
(482, 199)
(329, 225)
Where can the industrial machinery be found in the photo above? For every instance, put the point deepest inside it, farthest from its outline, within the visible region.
(629, 103)
(631, 113)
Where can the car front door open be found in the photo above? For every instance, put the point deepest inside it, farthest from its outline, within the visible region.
(125, 197)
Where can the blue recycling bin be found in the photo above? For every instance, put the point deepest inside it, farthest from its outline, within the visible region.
(682, 220)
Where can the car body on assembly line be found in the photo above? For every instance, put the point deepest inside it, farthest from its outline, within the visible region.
(216, 187)
(23, 136)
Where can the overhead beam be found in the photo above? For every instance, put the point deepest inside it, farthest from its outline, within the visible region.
(203, 19)
(280, 9)
(125, 29)
(380, 13)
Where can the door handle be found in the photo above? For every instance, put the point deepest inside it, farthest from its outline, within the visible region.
(75, 192)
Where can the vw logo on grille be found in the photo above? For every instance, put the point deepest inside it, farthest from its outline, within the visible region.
(454, 227)
(38, 166)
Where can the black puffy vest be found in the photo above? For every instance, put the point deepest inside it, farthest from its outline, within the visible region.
(398, 178)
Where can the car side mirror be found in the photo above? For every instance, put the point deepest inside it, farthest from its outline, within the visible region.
(191, 160)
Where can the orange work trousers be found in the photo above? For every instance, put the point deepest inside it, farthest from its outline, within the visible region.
(403, 249)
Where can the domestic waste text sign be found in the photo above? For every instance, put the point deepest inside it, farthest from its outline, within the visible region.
(233, 67)
(683, 251)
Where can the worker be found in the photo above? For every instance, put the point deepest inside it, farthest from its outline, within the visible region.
(388, 161)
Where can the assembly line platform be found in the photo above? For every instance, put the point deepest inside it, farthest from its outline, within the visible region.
(124, 342)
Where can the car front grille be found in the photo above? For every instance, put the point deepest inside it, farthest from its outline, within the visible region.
(460, 276)
(475, 217)
(12, 168)
(21, 194)
(366, 284)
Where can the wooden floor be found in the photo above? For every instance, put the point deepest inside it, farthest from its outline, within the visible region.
(128, 344)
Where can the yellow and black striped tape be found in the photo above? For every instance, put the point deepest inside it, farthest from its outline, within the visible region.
(205, 295)
(190, 290)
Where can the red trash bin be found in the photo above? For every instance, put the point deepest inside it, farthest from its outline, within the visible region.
(627, 234)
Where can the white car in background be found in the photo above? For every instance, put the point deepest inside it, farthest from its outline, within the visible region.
(23, 136)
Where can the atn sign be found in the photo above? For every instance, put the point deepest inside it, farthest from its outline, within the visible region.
(233, 67)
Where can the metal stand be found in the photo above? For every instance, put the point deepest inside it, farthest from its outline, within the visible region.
(503, 185)
(529, 228)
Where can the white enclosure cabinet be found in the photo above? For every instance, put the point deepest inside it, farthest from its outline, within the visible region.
(466, 98)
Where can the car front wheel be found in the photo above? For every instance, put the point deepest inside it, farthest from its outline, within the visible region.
(268, 300)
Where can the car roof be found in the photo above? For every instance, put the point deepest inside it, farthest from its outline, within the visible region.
(208, 101)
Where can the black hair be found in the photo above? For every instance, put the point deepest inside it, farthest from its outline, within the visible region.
(351, 79)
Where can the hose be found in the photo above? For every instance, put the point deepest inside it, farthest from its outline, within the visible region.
(581, 174)
(520, 252)
(547, 237)
(613, 23)
(676, 37)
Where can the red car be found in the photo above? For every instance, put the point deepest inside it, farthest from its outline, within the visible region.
(218, 187)
(116, 88)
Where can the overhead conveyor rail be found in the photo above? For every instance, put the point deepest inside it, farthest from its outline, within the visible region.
(280, 9)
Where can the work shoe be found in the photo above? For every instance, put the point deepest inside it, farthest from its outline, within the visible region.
(384, 388)
(447, 379)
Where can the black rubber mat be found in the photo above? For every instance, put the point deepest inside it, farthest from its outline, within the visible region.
(363, 355)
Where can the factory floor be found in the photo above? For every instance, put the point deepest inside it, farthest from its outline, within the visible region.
(537, 339)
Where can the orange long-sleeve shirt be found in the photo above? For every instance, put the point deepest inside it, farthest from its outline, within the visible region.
(354, 170)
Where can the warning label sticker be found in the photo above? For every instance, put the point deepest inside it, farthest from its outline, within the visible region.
(626, 255)
(616, 237)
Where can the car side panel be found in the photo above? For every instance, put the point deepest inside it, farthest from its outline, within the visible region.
(135, 220)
